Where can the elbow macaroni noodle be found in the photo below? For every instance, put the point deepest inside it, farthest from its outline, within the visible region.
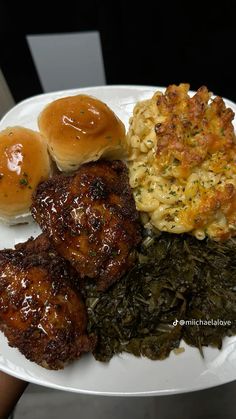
(195, 194)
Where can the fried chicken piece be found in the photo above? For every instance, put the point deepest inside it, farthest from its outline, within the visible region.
(41, 312)
(91, 219)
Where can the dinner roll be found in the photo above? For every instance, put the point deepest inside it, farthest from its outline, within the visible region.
(24, 162)
(80, 129)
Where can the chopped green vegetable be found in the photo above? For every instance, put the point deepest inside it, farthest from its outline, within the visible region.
(177, 277)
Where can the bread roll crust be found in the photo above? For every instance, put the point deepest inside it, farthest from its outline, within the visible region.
(79, 129)
(24, 163)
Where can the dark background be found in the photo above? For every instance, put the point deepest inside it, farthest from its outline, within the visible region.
(145, 42)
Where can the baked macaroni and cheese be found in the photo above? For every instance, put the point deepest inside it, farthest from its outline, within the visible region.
(182, 160)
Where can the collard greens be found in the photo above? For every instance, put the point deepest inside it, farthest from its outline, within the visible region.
(177, 278)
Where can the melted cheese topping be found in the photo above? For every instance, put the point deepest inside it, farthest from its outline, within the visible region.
(182, 155)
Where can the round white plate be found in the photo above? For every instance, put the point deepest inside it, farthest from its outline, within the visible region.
(124, 375)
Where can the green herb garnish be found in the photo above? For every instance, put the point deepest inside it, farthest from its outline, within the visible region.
(92, 253)
(23, 181)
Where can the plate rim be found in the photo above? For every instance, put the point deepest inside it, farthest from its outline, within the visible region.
(43, 382)
(102, 86)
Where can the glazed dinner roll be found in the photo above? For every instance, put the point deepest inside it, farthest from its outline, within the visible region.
(24, 163)
(80, 129)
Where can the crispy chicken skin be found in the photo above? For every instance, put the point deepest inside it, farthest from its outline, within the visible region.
(91, 218)
(41, 313)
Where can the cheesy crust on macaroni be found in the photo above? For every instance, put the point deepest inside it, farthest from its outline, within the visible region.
(182, 161)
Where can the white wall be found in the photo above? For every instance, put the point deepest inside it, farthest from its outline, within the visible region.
(69, 60)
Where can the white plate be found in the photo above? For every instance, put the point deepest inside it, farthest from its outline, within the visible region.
(124, 375)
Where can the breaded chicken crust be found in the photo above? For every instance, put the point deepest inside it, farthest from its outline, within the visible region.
(91, 219)
(41, 311)
(182, 152)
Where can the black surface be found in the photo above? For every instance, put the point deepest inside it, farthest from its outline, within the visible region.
(152, 43)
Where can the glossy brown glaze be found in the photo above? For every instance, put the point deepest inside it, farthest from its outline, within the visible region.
(41, 312)
(24, 162)
(91, 219)
(79, 129)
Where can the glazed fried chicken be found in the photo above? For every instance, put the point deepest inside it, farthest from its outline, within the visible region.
(91, 219)
(41, 312)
